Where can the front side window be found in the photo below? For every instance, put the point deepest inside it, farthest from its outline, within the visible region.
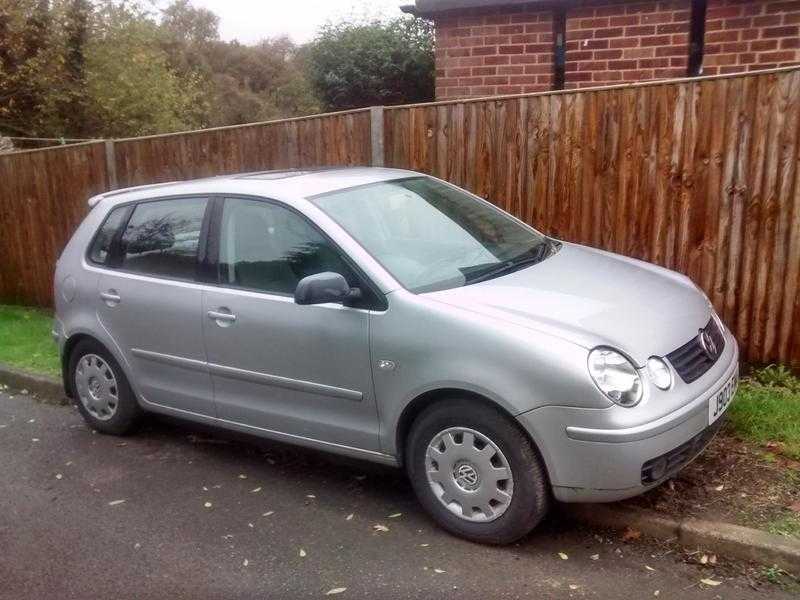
(162, 238)
(431, 236)
(101, 246)
(269, 248)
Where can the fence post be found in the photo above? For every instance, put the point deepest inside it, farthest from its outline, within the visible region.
(111, 165)
(376, 135)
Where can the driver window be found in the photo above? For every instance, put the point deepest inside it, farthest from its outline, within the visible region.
(269, 248)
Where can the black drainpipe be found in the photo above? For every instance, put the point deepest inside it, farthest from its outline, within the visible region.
(697, 34)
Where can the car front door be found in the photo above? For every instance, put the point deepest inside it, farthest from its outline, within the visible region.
(150, 305)
(278, 366)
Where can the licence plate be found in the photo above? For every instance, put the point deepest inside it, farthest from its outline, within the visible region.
(720, 401)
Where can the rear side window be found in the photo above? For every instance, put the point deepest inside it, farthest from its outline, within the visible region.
(162, 238)
(101, 247)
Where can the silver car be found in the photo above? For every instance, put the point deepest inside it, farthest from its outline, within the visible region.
(388, 315)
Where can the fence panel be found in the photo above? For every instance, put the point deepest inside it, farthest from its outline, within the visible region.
(335, 139)
(700, 176)
(42, 199)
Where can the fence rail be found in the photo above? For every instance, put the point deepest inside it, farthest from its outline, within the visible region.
(699, 175)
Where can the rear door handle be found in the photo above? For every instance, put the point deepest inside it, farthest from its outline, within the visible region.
(111, 297)
(223, 319)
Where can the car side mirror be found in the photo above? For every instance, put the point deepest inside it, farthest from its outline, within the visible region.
(324, 287)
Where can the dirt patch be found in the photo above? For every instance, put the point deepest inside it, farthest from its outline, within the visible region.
(736, 482)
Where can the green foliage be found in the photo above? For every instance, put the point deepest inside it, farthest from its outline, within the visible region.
(362, 64)
(115, 68)
(767, 410)
(779, 376)
(25, 340)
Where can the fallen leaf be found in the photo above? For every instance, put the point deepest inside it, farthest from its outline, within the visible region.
(245, 562)
(720, 487)
(704, 559)
(424, 545)
(335, 591)
(205, 489)
(395, 515)
(631, 534)
(380, 527)
(563, 556)
(115, 502)
(711, 582)
(656, 593)
(136, 546)
(310, 496)
(242, 476)
(302, 553)
(31, 420)
(595, 557)
(59, 476)
(572, 586)
(208, 505)
(34, 439)
(268, 513)
(349, 517)
(649, 568)
(250, 525)
(68, 463)
(255, 490)
(438, 571)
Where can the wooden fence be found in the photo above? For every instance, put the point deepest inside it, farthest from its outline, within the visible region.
(699, 175)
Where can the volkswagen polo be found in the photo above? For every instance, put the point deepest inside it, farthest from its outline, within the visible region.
(388, 315)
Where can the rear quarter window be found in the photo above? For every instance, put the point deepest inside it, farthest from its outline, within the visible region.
(101, 246)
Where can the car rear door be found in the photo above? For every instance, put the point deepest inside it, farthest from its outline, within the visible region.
(150, 303)
(301, 371)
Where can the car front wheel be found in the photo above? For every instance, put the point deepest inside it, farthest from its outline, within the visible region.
(476, 472)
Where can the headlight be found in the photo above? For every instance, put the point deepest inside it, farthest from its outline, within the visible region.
(616, 377)
(659, 373)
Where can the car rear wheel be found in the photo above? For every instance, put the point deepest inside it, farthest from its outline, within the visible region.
(102, 393)
(476, 472)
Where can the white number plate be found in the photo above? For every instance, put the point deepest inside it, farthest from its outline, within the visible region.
(719, 402)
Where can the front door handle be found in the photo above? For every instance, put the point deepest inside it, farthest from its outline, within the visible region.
(111, 297)
(223, 317)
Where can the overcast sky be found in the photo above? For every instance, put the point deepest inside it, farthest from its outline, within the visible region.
(251, 20)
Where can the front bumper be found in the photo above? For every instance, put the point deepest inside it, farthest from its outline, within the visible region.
(588, 461)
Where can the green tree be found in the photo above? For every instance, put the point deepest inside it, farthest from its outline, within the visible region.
(353, 64)
(131, 86)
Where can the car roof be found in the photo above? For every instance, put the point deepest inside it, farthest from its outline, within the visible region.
(287, 185)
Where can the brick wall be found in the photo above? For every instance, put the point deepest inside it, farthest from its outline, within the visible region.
(509, 50)
(610, 43)
(751, 35)
(483, 53)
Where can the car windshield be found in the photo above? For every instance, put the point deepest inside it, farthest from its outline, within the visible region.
(432, 236)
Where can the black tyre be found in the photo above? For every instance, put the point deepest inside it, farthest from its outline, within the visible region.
(476, 472)
(102, 392)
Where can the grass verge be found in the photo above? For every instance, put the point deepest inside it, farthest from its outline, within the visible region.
(25, 340)
(766, 410)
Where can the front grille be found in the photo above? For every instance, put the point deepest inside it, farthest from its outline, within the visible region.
(695, 358)
(666, 465)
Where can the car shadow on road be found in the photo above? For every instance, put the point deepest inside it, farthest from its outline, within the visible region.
(372, 482)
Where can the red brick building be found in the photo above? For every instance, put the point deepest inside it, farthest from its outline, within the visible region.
(487, 47)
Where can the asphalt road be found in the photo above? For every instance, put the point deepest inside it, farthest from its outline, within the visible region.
(180, 512)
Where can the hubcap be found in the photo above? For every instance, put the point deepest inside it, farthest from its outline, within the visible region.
(97, 388)
(468, 473)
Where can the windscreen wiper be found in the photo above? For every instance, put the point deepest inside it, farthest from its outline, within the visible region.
(532, 257)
